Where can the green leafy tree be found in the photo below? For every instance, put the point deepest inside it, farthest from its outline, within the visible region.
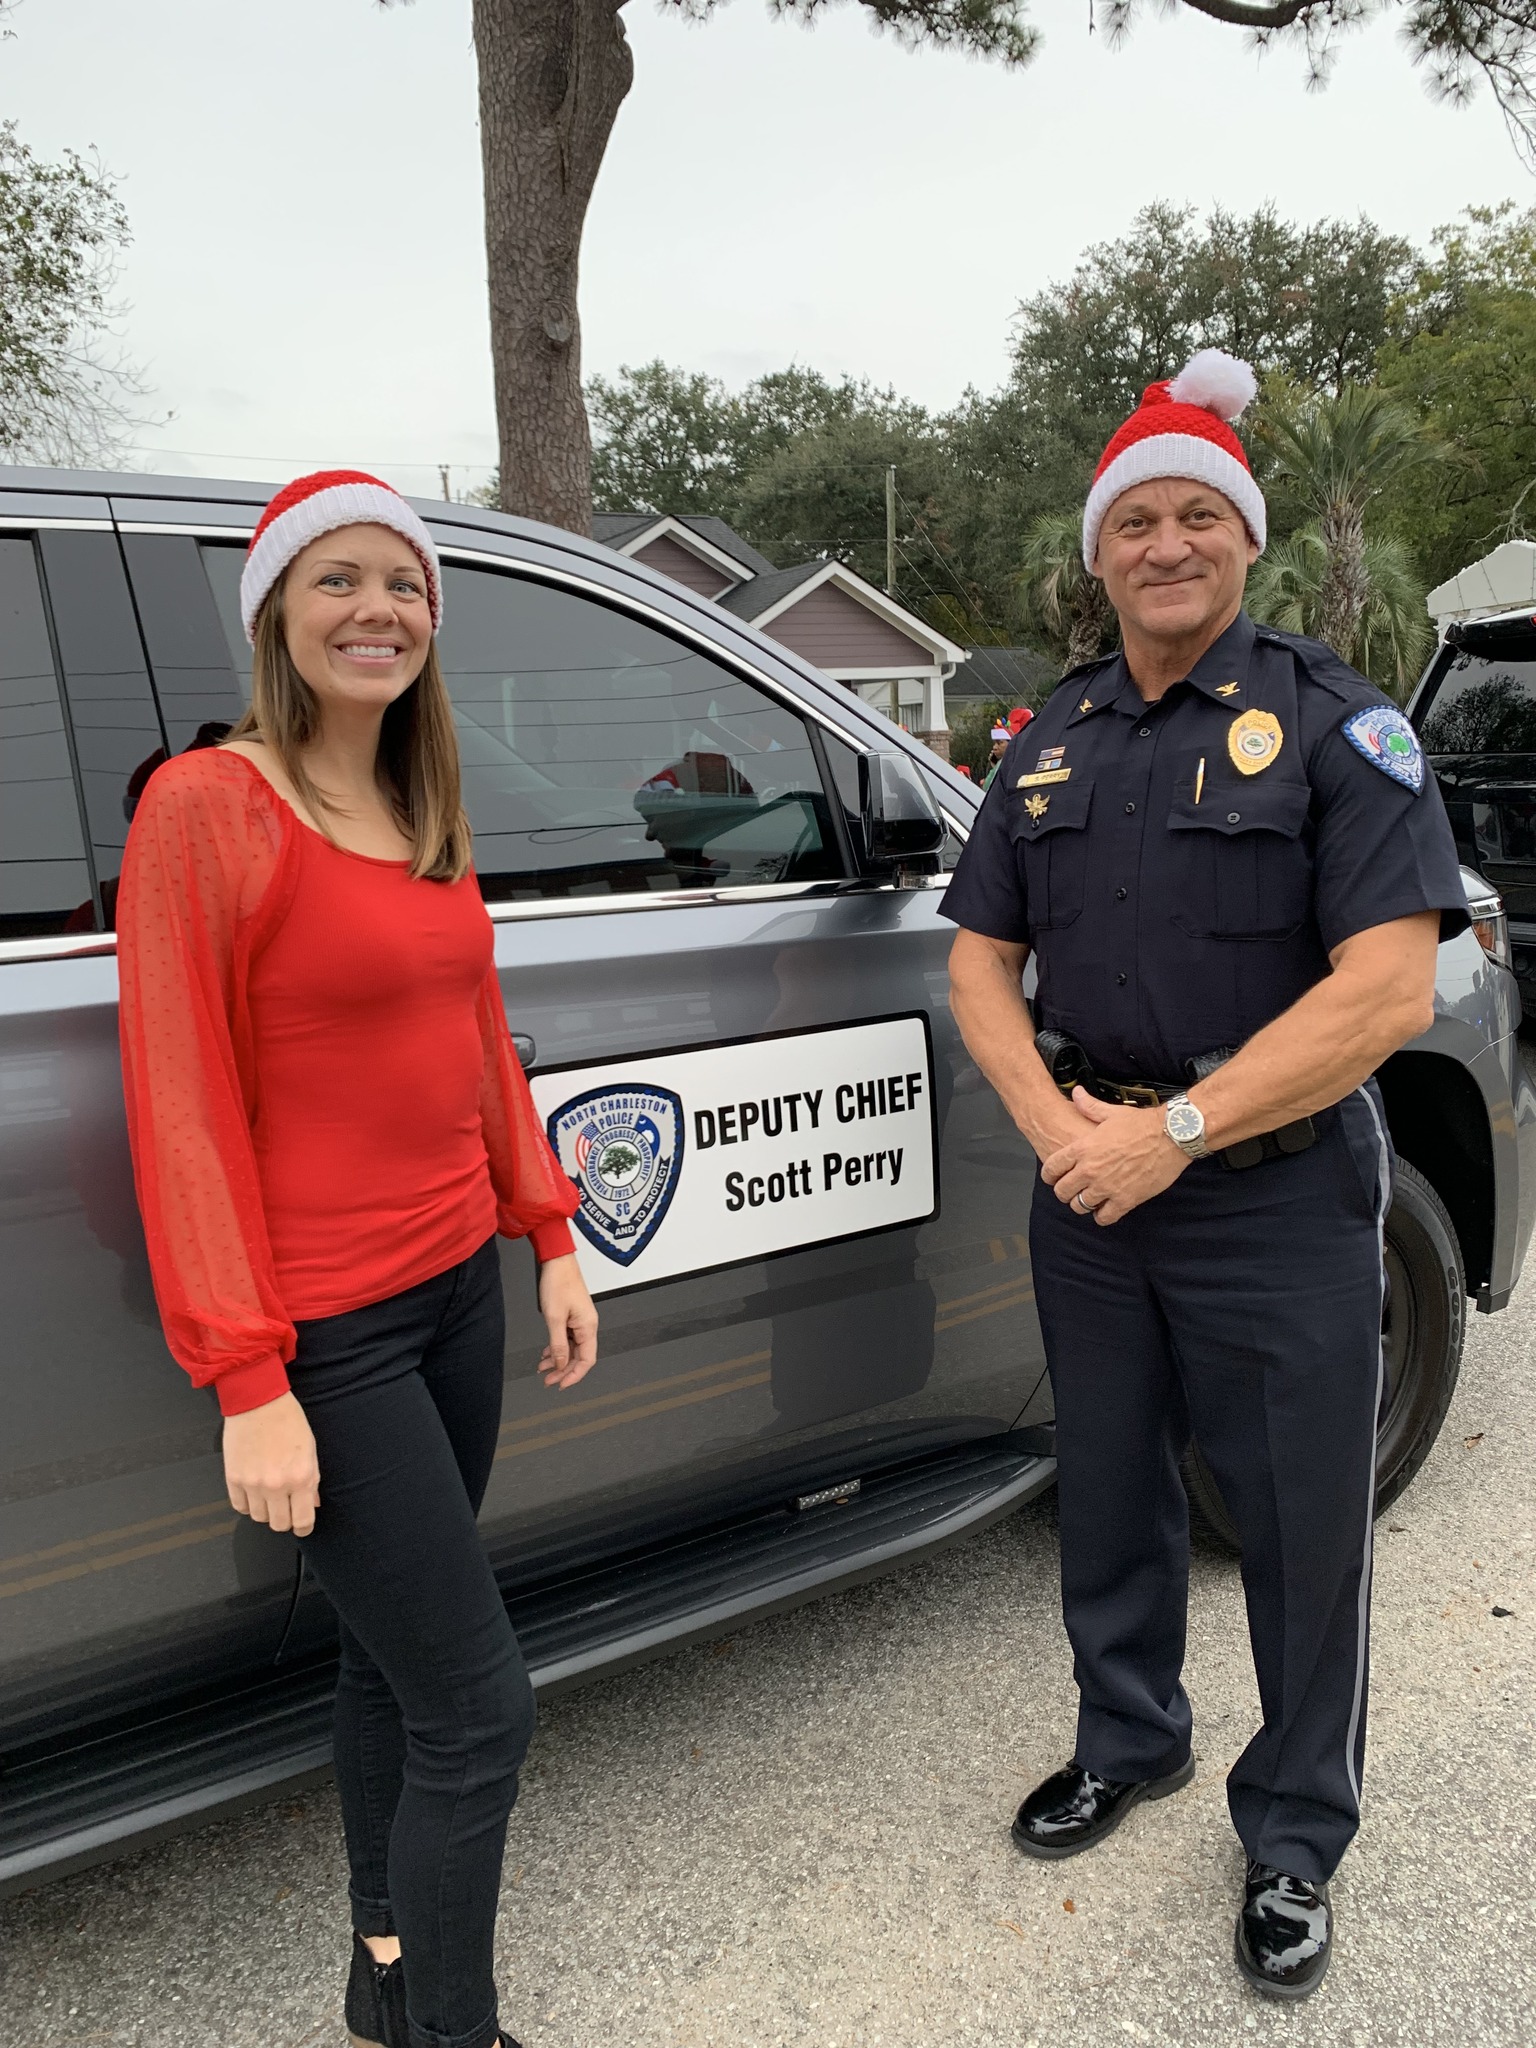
(1462, 357)
(671, 440)
(1287, 587)
(1339, 454)
(1068, 604)
(66, 391)
(1310, 304)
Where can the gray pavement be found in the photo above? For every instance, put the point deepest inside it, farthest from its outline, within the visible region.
(800, 1836)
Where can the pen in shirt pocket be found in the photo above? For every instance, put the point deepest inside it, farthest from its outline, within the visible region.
(1199, 778)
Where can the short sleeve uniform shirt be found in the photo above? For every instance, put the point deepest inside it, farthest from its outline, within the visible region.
(1182, 870)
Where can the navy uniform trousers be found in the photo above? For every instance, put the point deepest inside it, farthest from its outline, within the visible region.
(1246, 1306)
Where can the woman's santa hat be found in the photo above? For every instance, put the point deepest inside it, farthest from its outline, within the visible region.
(1181, 428)
(314, 505)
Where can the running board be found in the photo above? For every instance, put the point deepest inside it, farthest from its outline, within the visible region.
(63, 1811)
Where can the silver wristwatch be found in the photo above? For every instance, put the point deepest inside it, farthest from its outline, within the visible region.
(1184, 1123)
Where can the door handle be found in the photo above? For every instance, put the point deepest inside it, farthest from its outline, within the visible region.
(527, 1052)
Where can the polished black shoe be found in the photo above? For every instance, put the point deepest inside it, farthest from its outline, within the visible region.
(1075, 1808)
(1284, 1932)
(375, 2010)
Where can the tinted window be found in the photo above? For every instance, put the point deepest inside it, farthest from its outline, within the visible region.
(222, 566)
(602, 757)
(45, 883)
(1485, 702)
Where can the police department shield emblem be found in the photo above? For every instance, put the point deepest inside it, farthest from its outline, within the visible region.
(623, 1147)
(1389, 743)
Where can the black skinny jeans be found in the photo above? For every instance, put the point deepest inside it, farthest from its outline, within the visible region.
(434, 1710)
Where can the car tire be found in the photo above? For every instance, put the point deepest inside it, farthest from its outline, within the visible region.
(1423, 1325)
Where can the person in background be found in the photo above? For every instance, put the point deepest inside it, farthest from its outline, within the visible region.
(1000, 738)
(329, 1129)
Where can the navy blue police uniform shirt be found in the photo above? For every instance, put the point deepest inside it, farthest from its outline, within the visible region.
(1175, 903)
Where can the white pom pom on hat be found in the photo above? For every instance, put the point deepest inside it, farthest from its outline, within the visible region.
(1222, 384)
(1182, 428)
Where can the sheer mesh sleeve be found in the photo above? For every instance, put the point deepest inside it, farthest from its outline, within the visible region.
(534, 1199)
(205, 863)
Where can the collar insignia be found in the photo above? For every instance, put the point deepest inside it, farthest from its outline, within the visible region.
(1227, 689)
(1086, 705)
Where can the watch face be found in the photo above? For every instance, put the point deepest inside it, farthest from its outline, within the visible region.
(1184, 1122)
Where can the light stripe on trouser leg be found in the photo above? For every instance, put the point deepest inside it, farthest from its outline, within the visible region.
(1383, 1202)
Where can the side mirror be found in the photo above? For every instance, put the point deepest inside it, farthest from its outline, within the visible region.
(902, 827)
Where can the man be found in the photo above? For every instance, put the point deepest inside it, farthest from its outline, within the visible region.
(1224, 851)
(1000, 738)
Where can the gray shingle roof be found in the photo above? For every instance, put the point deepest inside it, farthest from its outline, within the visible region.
(750, 600)
(1007, 672)
(613, 529)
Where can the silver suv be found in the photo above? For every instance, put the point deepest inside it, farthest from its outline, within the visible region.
(714, 875)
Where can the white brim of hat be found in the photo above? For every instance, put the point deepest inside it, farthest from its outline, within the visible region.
(340, 505)
(1181, 455)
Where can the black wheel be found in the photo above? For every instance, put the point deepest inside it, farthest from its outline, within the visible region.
(1422, 1328)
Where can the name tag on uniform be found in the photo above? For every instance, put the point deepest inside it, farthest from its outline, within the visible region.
(1049, 775)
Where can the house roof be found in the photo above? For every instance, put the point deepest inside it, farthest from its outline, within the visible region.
(619, 529)
(750, 600)
(1004, 672)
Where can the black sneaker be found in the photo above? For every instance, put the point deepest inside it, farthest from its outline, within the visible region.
(1284, 1933)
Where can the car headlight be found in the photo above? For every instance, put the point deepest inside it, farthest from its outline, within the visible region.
(1485, 908)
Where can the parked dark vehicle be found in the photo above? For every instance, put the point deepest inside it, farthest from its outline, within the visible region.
(714, 877)
(1475, 712)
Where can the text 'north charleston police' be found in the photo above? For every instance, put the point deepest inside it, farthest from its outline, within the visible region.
(737, 1123)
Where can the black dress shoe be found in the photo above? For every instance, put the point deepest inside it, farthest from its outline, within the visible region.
(375, 2010)
(1075, 1808)
(1284, 1932)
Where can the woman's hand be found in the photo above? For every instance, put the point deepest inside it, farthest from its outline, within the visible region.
(567, 1308)
(270, 1465)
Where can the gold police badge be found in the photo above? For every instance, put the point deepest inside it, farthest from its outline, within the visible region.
(1254, 740)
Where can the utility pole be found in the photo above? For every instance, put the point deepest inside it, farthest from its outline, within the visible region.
(890, 531)
(442, 470)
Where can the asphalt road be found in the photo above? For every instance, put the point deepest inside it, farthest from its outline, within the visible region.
(800, 1836)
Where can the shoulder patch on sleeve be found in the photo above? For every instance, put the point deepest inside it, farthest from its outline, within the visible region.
(1386, 739)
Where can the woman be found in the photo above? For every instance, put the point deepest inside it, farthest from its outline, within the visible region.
(329, 1129)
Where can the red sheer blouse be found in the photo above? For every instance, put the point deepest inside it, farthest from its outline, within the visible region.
(323, 1101)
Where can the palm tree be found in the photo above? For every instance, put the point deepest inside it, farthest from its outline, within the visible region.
(1339, 453)
(1069, 604)
(1287, 586)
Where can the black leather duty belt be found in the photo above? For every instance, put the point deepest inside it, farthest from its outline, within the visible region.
(1069, 1067)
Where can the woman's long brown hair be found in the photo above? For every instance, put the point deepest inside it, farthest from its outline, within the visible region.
(418, 758)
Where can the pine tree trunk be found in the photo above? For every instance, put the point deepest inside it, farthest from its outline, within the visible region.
(1341, 601)
(553, 74)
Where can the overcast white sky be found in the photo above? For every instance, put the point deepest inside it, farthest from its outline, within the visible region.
(307, 279)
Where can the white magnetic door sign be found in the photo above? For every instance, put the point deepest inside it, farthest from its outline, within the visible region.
(686, 1161)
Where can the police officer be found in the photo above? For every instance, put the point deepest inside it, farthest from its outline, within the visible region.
(1224, 852)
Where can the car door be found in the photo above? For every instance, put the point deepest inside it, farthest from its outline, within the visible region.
(124, 1576)
(665, 836)
(666, 842)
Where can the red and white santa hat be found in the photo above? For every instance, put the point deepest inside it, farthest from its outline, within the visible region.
(1181, 428)
(312, 505)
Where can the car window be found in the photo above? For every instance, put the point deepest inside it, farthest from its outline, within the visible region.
(222, 564)
(603, 757)
(1484, 701)
(45, 883)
